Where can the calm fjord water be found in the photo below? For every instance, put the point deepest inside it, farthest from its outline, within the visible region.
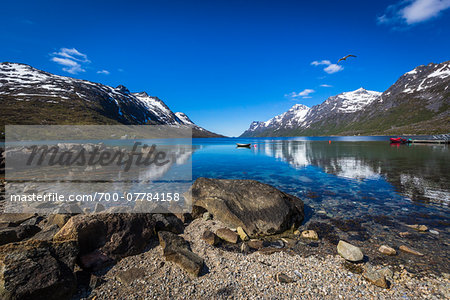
(346, 177)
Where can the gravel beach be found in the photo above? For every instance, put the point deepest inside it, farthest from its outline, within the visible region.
(234, 275)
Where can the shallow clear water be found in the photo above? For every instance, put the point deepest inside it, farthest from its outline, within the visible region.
(344, 178)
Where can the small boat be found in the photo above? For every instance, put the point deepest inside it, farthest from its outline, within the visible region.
(399, 140)
(242, 145)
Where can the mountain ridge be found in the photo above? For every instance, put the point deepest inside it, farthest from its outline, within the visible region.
(417, 103)
(31, 96)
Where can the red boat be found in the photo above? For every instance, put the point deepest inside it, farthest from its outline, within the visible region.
(398, 140)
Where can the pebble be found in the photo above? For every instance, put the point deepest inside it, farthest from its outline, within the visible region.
(283, 278)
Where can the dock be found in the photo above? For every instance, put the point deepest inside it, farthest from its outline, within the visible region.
(429, 141)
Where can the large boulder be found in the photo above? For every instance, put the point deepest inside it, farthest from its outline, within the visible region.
(258, 208)
(116, 235)
(38, 270)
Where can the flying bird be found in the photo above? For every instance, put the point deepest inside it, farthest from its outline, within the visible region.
(345, 57)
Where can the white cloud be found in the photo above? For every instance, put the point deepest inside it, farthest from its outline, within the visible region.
(72, 54)
(306, 92)
(333, 68)
(303, 94)
(72, 67)
(330, 68)
(72, 59)
(411, 12)
(422, 10)
(106, 72)
(326, 85)
(322, 62)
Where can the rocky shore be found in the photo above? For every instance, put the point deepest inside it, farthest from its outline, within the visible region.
(243, 240)
(237, 275)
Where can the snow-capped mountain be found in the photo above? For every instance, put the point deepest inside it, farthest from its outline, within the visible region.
(301, 116)
(350, 102)
(341, 107)
(184, 119)
(418, 103)
(293, 117)
(32, 96)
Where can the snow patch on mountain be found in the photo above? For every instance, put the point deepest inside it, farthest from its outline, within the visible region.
(356, 100)
(294, 116)
(184, 119)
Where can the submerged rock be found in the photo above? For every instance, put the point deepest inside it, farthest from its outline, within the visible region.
(258, 208)
(387, 250)
(349, 252)
(409, 250)
(310, 234)
(418, 227)
(177, 250)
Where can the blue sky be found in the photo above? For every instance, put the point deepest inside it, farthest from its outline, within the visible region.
(227, 63)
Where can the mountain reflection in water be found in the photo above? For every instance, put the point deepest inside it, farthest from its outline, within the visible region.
(419, 172)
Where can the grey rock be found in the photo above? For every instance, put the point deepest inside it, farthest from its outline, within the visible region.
(349, 252)
(258, 208)
(375, 277)
(116, 235)
(177, 250)
(130, 275)
(210, 238)
(47, 233)
(9, 220)
(37, 270)
(227, 235)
